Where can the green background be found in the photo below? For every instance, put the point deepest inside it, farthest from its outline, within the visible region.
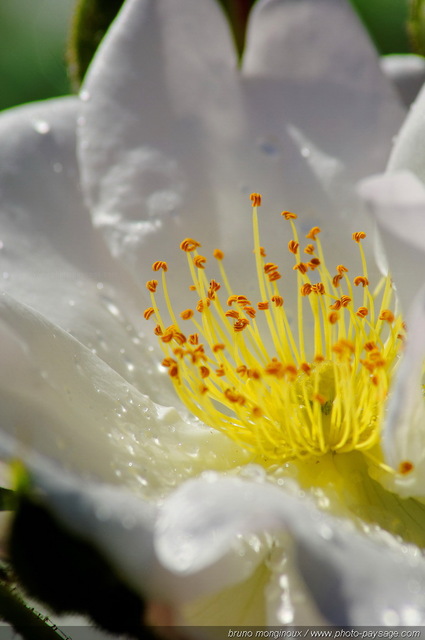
(33, 37)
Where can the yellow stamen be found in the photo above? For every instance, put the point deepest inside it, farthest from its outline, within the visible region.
(282, 391)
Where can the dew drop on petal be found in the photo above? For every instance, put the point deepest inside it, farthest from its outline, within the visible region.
(85, 95)
(305, 152)
(41, 126)
(269, 147)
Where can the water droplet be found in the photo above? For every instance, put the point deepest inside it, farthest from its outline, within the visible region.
(85, 95)
(253, 472)
(99, 286)
(57, 167)
(325, 532)
(6, 275)
(71, 303)
(1, 245)
(41, 126)
(269, 147)
(305, 152)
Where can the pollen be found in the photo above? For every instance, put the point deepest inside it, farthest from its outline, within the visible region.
(283, 385)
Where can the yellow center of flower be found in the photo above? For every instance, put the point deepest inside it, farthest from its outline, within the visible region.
(272, 387)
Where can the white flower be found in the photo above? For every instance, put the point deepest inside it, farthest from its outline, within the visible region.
(172, 136)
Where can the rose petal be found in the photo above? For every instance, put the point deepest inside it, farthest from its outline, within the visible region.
(52, 259)
(406, 72)
(407, 154)
(61, 400)
(397, 201)
(334, 561)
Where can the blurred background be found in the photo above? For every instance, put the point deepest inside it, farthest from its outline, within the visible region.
(34, 35)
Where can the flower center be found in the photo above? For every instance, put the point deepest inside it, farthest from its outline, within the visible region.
(283, 392)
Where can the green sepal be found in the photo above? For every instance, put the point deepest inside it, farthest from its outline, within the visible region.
(90, 23)
(417, 26)
(387, 23)
(68, 574)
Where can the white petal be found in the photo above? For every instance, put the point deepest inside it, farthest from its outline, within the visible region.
(59, 399)
(202, 518)
(406, 72)
(407, 152)
(404, 428)
(397, 201)
(314, 60)
(50, 256)
(158, 90)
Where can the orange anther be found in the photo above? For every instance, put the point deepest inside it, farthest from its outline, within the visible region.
(187, 314)
(241, 370)
(218, 347)
(218, 254)
(275, 275)
(240, 324)
(314, 263)
(231, 300)
(151, 285)
(345, 301)
(311, 235)
(234, 397)
(202, 305)
(263, 306)
(362, 312)
(189, 244)
(199, 261)
(318, 288)
(361, 280)
(158, 331)
(148, 312)
(319, 398)
(278, 301)
(336, 280)
(204, 371)
(387, 315)
(269, 267)
(305, 289)
(405, 467)
(309, 249)
(359, 235)
(232, 314)
(301, 267)
(305, 368)
(341, 269)
(288, 215)
(158, 265)
(193, 338)
(250, 311)
(336, 306)
(255, 199)
(293, 246)
(333, 317)
(220, 372)
(263, 252)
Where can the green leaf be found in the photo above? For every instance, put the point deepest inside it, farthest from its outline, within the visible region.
(417, 26)
(67, 573)
(90, 23)
(387, 23)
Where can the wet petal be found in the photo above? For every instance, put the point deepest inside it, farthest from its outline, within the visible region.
(61, 400)
(397, 201)
(156, 94)
(51, 258)
(317, 68)
(407, 154)
(333, 560)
